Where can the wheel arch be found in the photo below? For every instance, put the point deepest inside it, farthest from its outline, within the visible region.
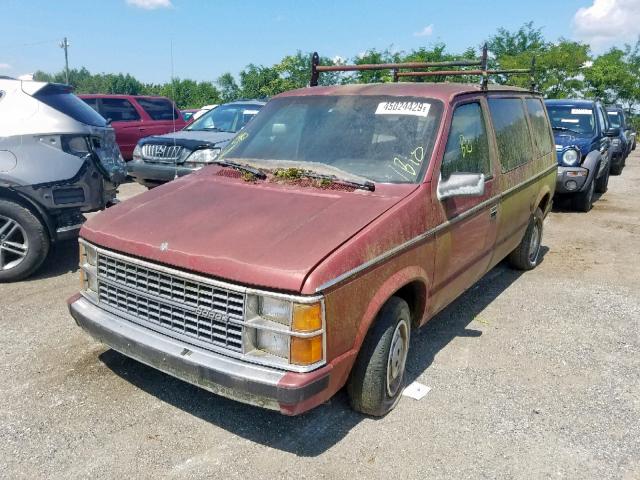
(13, 196)
(410, 284)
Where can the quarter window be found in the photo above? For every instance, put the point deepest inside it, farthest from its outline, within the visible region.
(512, 132)
(119, 110)
(158, 108)
(539, 125)
(467, 149)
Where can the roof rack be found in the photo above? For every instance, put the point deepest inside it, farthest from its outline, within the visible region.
(413, 67)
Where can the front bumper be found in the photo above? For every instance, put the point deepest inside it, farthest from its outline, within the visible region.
(571, 179)
(155, 172)
(229, 377)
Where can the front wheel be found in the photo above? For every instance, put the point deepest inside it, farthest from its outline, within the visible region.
(377, 378)
(602, 184)
(527, 254)
(583, 201)
(24, 242)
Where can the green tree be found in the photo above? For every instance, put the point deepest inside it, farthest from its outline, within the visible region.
(558, 70)
(526, 39)
(611, 77)
(374, 56)
(229, 89)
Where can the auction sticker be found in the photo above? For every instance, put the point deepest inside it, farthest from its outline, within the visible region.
(580, 111)
(417, 109)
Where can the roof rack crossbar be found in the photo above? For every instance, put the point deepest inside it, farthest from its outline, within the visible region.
(391, 66)
(448, 73)
(482, 62)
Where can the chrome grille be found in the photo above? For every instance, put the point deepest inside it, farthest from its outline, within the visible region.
(210, 314)
(161, 153)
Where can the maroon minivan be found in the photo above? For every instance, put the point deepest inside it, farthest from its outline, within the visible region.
(338, 220)
(134, 117)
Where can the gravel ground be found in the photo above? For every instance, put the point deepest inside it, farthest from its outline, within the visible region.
(532, 375)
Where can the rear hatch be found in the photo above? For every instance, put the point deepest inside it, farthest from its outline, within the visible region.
(101, 137)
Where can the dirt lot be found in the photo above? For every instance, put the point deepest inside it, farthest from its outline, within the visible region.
(532, 376)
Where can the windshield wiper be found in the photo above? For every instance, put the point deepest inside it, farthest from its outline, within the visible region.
(365, 185)
(243, 168)
(564, 129)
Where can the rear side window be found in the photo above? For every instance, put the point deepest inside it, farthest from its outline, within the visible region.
(119, 110)
(539, 125)
(512, 132)
(92, 102)
(158, 108)
(61, 99)
(467, 149)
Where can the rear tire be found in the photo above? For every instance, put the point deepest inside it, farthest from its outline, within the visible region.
(377, 378)
(583, 201)
(527, 254)
(24, 242)
(602, 184)
(616, 169)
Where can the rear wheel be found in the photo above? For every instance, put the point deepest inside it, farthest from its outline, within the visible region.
(24, 242)
(527, 255)
(583, 201)
(377, 378)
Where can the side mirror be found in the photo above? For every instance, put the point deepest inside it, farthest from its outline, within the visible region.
(461, 185)
(612, 132)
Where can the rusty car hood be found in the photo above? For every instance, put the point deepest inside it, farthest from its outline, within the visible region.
(256, 234)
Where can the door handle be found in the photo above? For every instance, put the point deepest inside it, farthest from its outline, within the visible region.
(493, 213)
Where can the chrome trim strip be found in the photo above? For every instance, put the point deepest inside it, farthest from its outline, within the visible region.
(69, 228)
(306, 299)
(429, 233)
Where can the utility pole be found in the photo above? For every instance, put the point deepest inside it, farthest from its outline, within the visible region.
(65, 44)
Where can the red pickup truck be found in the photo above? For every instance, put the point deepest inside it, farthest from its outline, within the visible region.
(134, 117)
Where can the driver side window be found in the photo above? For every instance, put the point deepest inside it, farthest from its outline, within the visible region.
(467, 149)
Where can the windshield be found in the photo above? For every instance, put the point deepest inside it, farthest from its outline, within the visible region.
(614, 119)
(574, 119)
(226, 118)
(379, 138)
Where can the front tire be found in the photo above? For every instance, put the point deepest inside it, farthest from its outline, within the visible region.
(583, 201)
(602, 184)
(377, 378)
(24, 242)
(526, 256)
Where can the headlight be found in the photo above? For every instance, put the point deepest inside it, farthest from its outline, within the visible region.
(292, 332)
(137, 152)
(570, 157)
(88, 268)
(201, 157)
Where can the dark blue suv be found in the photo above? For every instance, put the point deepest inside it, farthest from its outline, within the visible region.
(583, 146)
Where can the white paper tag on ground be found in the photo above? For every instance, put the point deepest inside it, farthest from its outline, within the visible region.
(418, 109)
(416, 390)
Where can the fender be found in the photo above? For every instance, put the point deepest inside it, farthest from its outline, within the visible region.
(387, 289)
(6, 191)
(544, 191)
(592, 162)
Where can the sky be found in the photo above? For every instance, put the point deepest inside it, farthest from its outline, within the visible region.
(210, 37)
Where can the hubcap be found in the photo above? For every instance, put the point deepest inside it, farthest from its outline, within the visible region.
(14, 244)
(397, 357)
(534, 245)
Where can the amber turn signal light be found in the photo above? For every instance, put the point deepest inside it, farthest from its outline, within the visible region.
(307, 318)
(306, 351)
